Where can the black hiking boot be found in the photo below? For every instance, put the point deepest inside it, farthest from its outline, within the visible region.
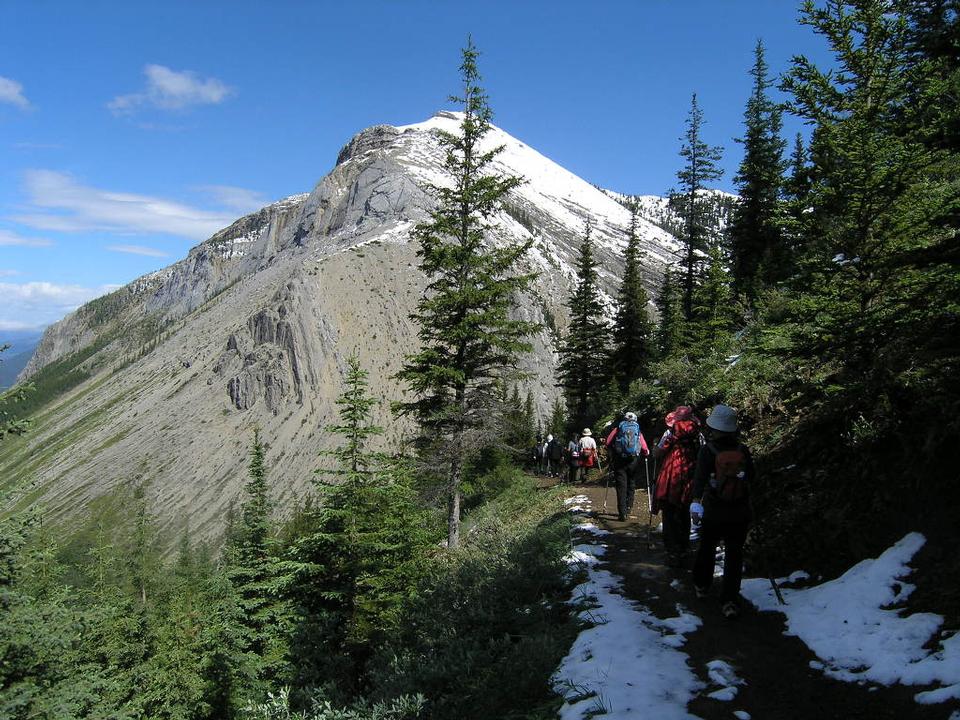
(730, 610)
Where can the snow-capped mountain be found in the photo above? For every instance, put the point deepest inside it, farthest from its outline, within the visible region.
(252, 328)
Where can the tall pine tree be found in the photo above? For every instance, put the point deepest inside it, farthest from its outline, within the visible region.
(468, 340)
(758, 251)
(700, 167)
(585, 351)
(632, 330)
(352, 571)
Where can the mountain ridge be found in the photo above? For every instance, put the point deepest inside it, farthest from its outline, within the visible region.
(252, 328)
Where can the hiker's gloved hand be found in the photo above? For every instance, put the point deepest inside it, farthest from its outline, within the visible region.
(696, 511)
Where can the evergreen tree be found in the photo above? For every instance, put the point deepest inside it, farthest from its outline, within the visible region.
(879, 245)
(758, 251)
(700, 167)
(253, 574)
(796, 195)
(714, 317)
(671, 327)
(632, 330)
(352, 572)
(585, 353)
(529, 421)
(558, 420)
(468, 341)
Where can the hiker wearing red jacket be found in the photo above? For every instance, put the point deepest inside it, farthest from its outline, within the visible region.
(677, 451)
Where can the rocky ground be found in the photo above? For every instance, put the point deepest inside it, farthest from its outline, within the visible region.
(779, 682)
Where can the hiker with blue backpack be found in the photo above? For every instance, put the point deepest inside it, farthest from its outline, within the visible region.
(629, 450)
(721, 499)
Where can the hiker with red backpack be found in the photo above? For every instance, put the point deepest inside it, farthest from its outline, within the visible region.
(588, 453)
(721, 498)
(678, 451)
(628, 448)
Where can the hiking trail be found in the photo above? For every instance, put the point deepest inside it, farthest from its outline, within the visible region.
(660, 652)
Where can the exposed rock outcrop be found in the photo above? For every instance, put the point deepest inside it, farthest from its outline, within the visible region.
(253, 327)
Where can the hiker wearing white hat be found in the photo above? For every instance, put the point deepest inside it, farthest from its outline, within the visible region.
(588, 451)
(721, 497)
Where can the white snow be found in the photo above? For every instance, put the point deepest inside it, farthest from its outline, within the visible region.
(853, 626)
(741, 714)
(548, 187)
(628, 663)
(723, 674)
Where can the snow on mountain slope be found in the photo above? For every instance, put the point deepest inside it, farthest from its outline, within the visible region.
(252, 328)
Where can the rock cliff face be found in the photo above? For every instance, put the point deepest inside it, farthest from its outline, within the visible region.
(252, 329)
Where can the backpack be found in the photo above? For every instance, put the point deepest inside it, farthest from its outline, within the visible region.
(729, 473)
(628, 438)
(554, 450)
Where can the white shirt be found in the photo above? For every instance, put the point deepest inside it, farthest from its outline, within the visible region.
(588, 443)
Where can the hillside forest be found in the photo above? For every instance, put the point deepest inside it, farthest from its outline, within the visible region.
(822, 303)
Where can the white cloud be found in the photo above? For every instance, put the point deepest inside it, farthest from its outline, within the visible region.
(14, 325)
(171, 90)
(12, 92)
(10, 238)
(236, 198)
(137, 250)
(34, 304)
(74, 207)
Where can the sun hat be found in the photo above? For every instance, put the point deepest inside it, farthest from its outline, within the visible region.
(681, 412)
(586, 431)
(632, 416)
(723, 418)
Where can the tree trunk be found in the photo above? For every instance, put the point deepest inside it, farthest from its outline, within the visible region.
(453, 503)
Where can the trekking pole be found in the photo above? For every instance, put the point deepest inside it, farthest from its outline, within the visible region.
(650, 489)
(765, 559)
(606, 493)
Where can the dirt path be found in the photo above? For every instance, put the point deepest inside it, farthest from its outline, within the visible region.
(780, 684)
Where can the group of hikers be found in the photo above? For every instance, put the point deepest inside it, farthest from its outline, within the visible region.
(701, 476)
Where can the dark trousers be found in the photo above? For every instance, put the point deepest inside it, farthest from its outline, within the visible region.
(676, 528)
(734, 535)
(625, 470)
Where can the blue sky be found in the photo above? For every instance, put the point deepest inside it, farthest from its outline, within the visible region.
(129, 132)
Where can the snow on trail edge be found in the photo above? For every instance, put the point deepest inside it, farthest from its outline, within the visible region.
(852, 625)
(627, 664)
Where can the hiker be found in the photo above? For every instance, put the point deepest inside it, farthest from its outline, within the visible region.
(673, 491)
(588, 452)
(573, 459)
(721, 499)
(554, 455)
(628, 447)
(538, 454)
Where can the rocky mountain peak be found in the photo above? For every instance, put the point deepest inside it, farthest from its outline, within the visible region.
(170, 374)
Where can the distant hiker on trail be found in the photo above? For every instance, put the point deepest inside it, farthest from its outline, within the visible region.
(627, 446)
(554, 455)
(538, 454)
(677, 451)
(721, 497)
(573, 460)
(588, 452)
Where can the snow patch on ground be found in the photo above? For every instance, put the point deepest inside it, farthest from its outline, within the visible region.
(852, 626)
(628, 663)
(723, 674)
